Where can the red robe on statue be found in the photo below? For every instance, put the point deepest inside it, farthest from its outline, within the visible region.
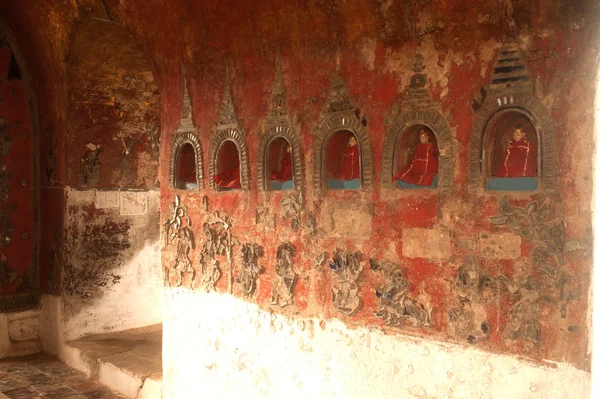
(350, 167)
(422, 169)
(519, 161)
(229, 179)
(285, 171)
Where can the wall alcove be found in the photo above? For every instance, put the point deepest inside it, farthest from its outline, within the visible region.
(499, 159)
(342, 136)
(400, 149)
(280, 160)
(228, 169)
(186, 162)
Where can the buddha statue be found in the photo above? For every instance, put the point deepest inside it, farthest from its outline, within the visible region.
(283, 172)
(229, 178)
(350, 165)
(423, 168)
(520, 157)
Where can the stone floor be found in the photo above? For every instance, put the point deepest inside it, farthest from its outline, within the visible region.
(41, 376)
(129, 361)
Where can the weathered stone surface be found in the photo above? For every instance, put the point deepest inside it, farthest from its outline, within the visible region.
(133, 203)
(348, 220)
(107, 199)
(24, 329)
(426, 243)
(500, 246)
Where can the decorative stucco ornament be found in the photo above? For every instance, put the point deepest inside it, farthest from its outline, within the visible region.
(396, 307)
(346, 269)
(178, 231)
(282, 293)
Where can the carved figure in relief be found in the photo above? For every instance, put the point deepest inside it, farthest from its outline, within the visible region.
(283, 171)
(213, 245)
(177, 230)
(346, 269)
(545, 280)
(473, 288)
(520, 158)
(423, 167)
(283, 287)
(396, 307)
(250, 270)
(350, 166)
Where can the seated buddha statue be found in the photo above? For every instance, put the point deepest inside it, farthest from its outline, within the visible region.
(284, 172)
(423, 168)
(350, 165)
(520, 157)
(229, 178)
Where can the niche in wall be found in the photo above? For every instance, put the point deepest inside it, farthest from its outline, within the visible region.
(343, 161)
(227, 167)
(510, 152)
(186, 162)
(280, 165)
(416, 158)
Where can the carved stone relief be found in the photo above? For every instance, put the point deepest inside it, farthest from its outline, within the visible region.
(473, 288)
(511, 88)
(396, 307)
(546, 280)
(346, 269)
(282, 293)
(339, 115)
(248, 275)
(292, 209)
(220, 241)
(418, 109)
(229, 128)
(178, 230)
(213, 246)
(280, 124)
(265, 218)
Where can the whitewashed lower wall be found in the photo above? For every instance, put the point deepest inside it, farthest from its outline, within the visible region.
(217, 346)
(19, 333)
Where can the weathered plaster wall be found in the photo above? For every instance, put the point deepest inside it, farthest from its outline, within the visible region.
(232, 348)
(112, 275)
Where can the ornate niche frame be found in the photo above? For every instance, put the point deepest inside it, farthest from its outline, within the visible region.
(513, 91)
(228, 129)
(418, 109)
(186, 134)
(280, 125)
(340, 114)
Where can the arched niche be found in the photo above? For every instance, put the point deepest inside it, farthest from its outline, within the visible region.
(328, 152)
(186, 164)
(509, 152)
(275, 163)
(400, 137)
(228, 154)
(493, 124)
(114, 109)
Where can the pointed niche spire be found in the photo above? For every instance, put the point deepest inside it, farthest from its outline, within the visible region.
(339, 99)
(186, 124)
(279, 99)
(227, 115)
(418, 95)
(510, 70)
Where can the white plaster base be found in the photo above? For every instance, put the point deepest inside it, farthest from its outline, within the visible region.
(217, 346)
(19, 333)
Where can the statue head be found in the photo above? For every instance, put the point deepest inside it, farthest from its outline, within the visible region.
(423, 136)
(518, 133)
(352, 141)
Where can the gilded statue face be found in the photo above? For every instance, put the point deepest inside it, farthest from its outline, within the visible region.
(352, 141)
(423, 137)
(518, 134)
